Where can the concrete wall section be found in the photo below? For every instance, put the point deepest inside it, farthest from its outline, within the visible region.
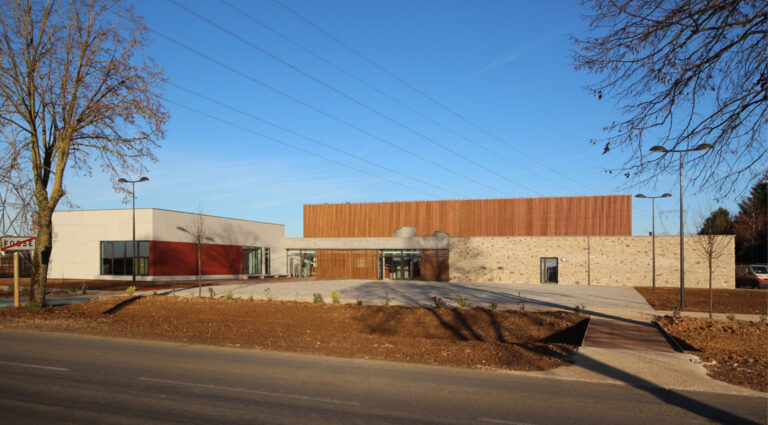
(174, 226)
(77, 235)
(596, 260)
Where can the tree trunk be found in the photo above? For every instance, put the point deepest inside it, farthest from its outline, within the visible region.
(199, 274)
(40, 259)
(710, 289)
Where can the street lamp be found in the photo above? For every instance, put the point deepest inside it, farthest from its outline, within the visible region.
(653, 228)
(133, 209)
(662, 149)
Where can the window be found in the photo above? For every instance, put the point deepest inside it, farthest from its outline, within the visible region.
(267, 267)
(548, 270)
(117, 258)
(251, 260)
(301, 262)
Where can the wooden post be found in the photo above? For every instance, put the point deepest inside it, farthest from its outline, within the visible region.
(15, 278)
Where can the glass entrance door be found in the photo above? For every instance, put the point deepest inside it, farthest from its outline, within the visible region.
(251, 261)
(400, 264)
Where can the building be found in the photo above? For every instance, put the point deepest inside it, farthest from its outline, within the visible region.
(582, 240)
(98, 244)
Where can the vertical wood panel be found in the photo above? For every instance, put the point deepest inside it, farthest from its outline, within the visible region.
(347, 263)
(434, 265)
(564, 216)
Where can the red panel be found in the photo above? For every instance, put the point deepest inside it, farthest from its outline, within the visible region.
(179, 259)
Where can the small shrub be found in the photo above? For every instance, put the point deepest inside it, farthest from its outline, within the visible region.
(72, 289)
(317, 298)
(335, 297)
(438, 302)
(386, 299)
(130, 290)
(267, 294)
(764, 317)
(250, 298)
(579, 308)
(211, 292)
(228, 295)
(154, 292)
(493, 306)
(731, 317)
(10, 288)
(359, 302)
(676, 311)
(462, 302)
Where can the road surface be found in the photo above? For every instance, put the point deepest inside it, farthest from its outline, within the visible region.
(58, 378)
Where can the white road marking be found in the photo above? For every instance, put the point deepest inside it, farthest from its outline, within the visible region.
(245, 390)
(501, 421)
(34, 366)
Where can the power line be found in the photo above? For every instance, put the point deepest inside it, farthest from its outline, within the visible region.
(347, 96)
(422, 93)
(322, 112)
(311, 139)
(298, 148)
(386, 95)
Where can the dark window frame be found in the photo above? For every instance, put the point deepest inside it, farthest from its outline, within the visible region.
(546, 278)
(143, 263)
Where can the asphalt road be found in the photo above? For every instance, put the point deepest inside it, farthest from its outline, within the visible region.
(56, 378)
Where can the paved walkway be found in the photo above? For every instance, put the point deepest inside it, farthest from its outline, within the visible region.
(625, 334)
(505, 295)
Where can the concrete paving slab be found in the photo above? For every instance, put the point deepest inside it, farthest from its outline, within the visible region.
(505, 295)
(643, 369)
(51, 300)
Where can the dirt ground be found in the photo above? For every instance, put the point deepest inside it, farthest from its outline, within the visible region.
(729, 301)
(456, 337)
(734, 352)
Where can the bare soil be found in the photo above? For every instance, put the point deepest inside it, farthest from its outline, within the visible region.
(732, 351)
(456, 337)
(729, 301)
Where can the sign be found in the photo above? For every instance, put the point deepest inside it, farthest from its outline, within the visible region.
(18, 243)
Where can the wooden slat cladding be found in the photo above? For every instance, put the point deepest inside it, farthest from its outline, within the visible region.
(347, 263)
(434, 265)
(565, 216)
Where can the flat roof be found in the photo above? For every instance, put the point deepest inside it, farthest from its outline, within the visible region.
(164, 209)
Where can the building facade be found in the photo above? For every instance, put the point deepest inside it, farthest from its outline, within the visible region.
(570, 240)
(98, 244)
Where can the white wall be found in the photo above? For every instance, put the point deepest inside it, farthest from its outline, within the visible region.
(77, 236)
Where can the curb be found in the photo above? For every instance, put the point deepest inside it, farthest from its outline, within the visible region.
(121, 305)
(670, 339)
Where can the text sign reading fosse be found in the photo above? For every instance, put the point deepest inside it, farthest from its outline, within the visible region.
(18, 243)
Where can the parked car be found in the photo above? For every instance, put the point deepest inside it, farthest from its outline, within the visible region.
(752, 276)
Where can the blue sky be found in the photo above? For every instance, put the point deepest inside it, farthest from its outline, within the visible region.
(503, 66)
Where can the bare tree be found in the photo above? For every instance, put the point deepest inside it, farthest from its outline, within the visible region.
(684, 73)
(200, 235)
(751, 226)
(711, 244)
(76, 85)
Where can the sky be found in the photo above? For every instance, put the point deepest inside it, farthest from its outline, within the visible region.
(279, 104)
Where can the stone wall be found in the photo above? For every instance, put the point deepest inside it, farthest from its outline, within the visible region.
(594, 260)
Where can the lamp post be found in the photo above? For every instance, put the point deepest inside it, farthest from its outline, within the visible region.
(133, 211)
(653, 228)
(662, 149)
